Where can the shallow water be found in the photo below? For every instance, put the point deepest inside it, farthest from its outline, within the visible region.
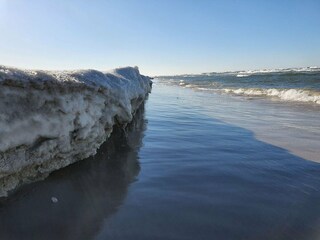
(300, 85)
(294, 126)
(183, 172)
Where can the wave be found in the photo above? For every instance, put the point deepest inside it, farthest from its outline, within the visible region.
(243, 75)
(182, 83)
(290, 71)
(246, 73)
(191, 86)
(296, 95)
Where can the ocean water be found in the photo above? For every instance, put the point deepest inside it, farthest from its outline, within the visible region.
(295, 85)
(193, 165)
(281, 107)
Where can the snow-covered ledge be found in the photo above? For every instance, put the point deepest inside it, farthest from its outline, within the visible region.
(50, 119)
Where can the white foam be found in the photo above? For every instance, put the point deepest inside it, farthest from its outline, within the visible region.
(182, 83)
(278, 70)
(297, 95)
(243, 75)
(205, 89)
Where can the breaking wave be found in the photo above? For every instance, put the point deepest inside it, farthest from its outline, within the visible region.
(297, 95)
(289, 84)
(290, 71)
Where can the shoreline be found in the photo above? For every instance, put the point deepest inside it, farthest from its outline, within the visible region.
(291, 126)
(178, 173)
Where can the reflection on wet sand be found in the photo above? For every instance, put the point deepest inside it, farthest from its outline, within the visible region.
(87, 192)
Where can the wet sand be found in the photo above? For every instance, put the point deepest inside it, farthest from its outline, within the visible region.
(179, 173)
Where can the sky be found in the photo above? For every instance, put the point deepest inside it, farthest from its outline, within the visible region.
(161, 37)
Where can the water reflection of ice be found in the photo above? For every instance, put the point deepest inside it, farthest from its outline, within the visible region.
(87, 192)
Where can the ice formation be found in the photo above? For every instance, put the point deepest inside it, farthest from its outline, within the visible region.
(50, 119)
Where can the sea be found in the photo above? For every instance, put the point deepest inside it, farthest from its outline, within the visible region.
(281, 106)
(222, 156)
(291, 84)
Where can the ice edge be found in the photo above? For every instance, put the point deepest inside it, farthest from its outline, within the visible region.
(50, 119)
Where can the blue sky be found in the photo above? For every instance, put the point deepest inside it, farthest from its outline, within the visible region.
(160, 36)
